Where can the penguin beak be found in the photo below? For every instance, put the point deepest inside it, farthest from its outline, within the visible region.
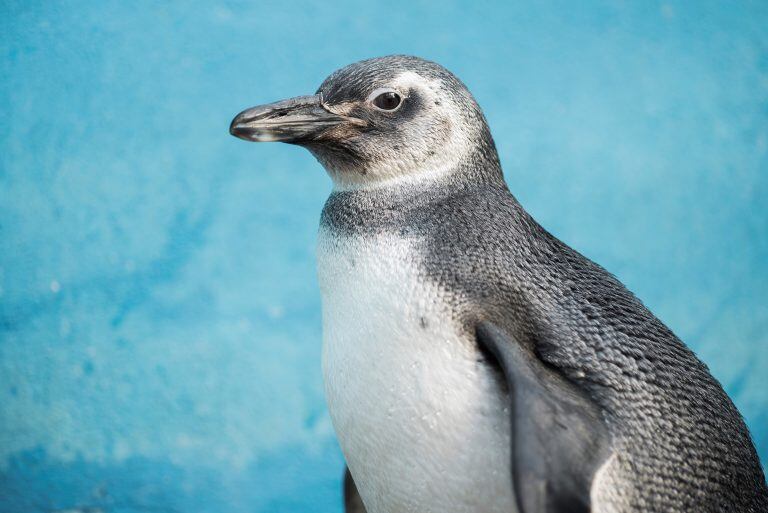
(297, 120)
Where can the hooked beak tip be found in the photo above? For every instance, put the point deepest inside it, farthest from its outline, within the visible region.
(233, 127)
(239, 129)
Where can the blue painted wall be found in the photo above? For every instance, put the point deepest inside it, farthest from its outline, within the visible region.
(159, 314)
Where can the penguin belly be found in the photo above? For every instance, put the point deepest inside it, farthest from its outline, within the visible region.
(421, 418)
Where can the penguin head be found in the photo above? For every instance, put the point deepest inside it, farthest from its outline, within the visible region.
(379, 121)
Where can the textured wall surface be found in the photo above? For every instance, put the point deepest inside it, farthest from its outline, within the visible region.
(159, 312)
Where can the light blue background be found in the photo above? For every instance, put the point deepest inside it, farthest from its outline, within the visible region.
(160, 318)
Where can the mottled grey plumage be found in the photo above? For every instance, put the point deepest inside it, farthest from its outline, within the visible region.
(590, 360)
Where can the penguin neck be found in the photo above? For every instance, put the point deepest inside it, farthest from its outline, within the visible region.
(387, 206)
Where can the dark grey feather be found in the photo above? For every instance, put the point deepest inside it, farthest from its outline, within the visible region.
(559, 438)
(352, 501)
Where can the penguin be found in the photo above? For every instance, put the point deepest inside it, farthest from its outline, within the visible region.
(472, 361)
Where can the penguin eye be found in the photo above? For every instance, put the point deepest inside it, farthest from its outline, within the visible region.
(386, 100)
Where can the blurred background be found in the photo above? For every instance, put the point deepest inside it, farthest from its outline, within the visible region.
(159, 311)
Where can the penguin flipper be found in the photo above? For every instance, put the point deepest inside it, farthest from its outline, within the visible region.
(559, 439)
(352, 501)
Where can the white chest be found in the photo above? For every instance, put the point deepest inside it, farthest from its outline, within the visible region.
(423, 425)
